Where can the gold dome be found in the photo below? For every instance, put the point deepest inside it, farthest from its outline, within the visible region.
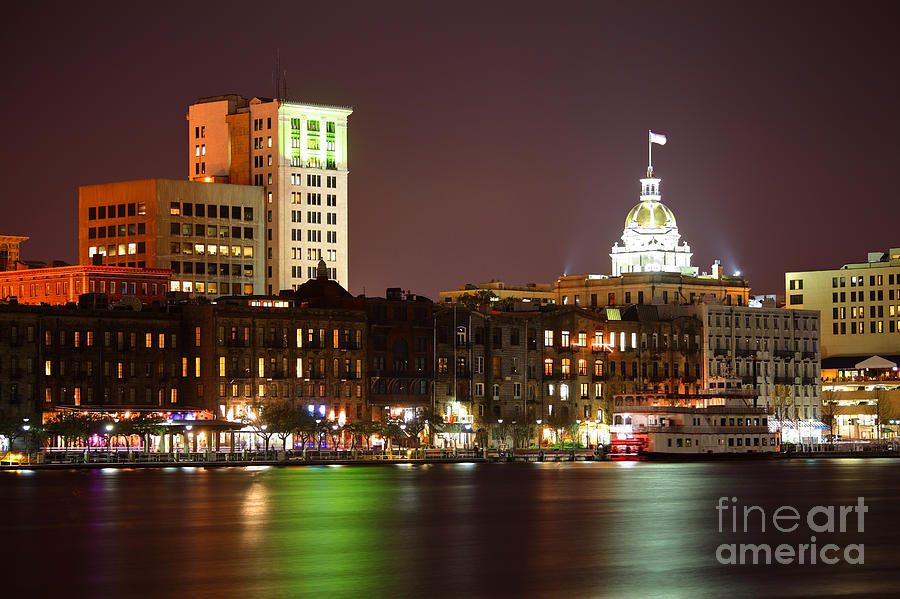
(650, 215)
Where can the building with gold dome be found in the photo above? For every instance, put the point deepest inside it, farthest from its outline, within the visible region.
(650, 241)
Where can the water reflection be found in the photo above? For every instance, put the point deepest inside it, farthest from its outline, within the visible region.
(492, 530)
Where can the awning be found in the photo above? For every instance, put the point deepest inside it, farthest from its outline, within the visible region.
(875, 362)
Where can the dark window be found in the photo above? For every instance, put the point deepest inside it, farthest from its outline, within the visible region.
(132, 209)
(174, 229)
(187, 209)
(236, 212)
(248, 233)
(92, 214)
(121, 209)
(101, 211)
(236, 232)
(142, 228)
(212, 211)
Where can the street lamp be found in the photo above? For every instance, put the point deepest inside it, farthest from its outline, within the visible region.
(539, 431)
(109, 429)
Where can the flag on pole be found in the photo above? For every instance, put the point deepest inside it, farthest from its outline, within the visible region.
(657, 138)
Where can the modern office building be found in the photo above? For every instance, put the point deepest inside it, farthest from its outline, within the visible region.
(210, 235)
(859, 302)
(298, 154)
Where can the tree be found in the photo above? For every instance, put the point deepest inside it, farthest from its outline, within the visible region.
(390, 430)
(473, 300)
(11, 427)
(829, 411)
(424, 420)
(783, 401)
(560, 421)
(306, 428)
(883, 410)
(259, 419)
(72, 427)
(522, 433)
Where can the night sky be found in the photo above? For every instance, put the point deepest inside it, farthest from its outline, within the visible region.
(489, 140)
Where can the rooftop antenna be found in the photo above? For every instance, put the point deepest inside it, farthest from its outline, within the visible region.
(278, 77)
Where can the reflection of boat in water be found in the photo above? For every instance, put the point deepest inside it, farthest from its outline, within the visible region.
(628, 449)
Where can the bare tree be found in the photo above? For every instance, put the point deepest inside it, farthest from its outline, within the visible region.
(829, 411)
(783, 400)
(883, 410)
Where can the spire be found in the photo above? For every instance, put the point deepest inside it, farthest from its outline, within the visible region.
(321, 271)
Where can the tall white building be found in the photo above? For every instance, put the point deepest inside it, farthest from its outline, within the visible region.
(650, 239)
(298, 153)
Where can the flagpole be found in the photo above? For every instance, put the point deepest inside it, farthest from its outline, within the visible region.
(649, 153)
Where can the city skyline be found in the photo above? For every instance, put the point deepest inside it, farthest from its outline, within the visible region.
(514, 147)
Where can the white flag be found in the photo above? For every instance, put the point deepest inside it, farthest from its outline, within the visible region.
(657, 138)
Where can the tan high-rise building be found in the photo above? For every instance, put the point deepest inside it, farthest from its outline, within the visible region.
(859, 302)
(298, 153)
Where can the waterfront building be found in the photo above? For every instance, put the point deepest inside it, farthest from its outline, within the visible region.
(209, 235)
(715, 422)
(860, 312)
(54, 357)
(535, 293)
(774, 353)
(861, 397)
(557, 365)
(400, 355)
(859, 302)
(298, 154)
(64, 284)
(223, 361)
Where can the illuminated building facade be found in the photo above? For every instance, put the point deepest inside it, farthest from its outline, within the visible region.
(775, 354)
(298, 154)
(859, 302)
(537, 294)
(63, 284)
(650, 239)
(74, 357)
(246, 352)
(557, 365)
(9, 251)
(591, 291)
(210, 235)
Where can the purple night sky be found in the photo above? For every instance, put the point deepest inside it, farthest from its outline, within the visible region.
(490, 140)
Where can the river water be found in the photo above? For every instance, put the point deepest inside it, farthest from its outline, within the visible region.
(488, 530)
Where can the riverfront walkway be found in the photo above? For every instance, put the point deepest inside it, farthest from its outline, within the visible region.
(96, 458)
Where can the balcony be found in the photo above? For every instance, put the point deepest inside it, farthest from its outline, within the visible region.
(237, 343)
(784, 380)
(809, 355)
(276, 343)
(721, 351)
(784, 353)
